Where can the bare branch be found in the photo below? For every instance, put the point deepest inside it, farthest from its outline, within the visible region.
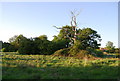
(57, 27)
(72, 13)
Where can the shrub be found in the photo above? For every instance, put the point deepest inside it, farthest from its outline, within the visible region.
(76, 48)
(117, 50)
(82, 54)
(62, 52)
(90, 50)
(73, 51)
(3, 49)
(98, 53)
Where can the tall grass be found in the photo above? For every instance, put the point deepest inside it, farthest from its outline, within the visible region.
(15, 66)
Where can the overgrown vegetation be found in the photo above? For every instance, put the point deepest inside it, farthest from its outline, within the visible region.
(41, 45)
(15, 66)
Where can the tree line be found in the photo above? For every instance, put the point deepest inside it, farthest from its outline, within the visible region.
(86, 38)
(87, 41)
(71, 41)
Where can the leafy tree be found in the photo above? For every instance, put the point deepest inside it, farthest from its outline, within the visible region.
(77, 38)
(24, 45)
(85, 38)
(70, 32)
(37, 45)
(109, 46)
(7, 47)
(64, 38)
(41, 45)
(43, 37)
(44, 46)
(27, 46)
(15, 40)
(88, 38)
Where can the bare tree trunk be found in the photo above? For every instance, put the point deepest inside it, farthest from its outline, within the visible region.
(74, 28)
(74, 25)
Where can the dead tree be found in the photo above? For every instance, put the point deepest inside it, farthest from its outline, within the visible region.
(74, 24)
(74, 28)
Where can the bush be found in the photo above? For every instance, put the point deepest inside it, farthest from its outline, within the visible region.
(90, 50)
(98, 53)
(73, 51)
(7, 47)
(3, 50)
(76, 48)
(83, 54)
(117, 50)
(62, 52)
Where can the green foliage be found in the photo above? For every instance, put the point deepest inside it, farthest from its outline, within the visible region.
(78, 45)
(38, 45)
(110, 50)
(43, 37)
(95, 52)
(89, 38)
(57, 67)
(109, 47)
(60, 42)
(109, 44)
(78, 50)
(65, 39)
(117, 50)
(71, 51)
(62, 52)
(98, 53)
(3, 49)
(44, 46)
(15, 40)
(74, 49)
(65, 32)
(83, 54)
(90, 50)
(7, 47)
(27, 47)
(86, 39)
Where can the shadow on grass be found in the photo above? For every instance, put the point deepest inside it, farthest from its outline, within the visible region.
(111, 55)
(88, 73)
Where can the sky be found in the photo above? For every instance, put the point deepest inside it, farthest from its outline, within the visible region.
(33, 19)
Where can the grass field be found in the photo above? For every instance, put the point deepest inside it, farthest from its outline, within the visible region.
(15, 66)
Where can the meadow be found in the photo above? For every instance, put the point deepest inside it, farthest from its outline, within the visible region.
(15, 66)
